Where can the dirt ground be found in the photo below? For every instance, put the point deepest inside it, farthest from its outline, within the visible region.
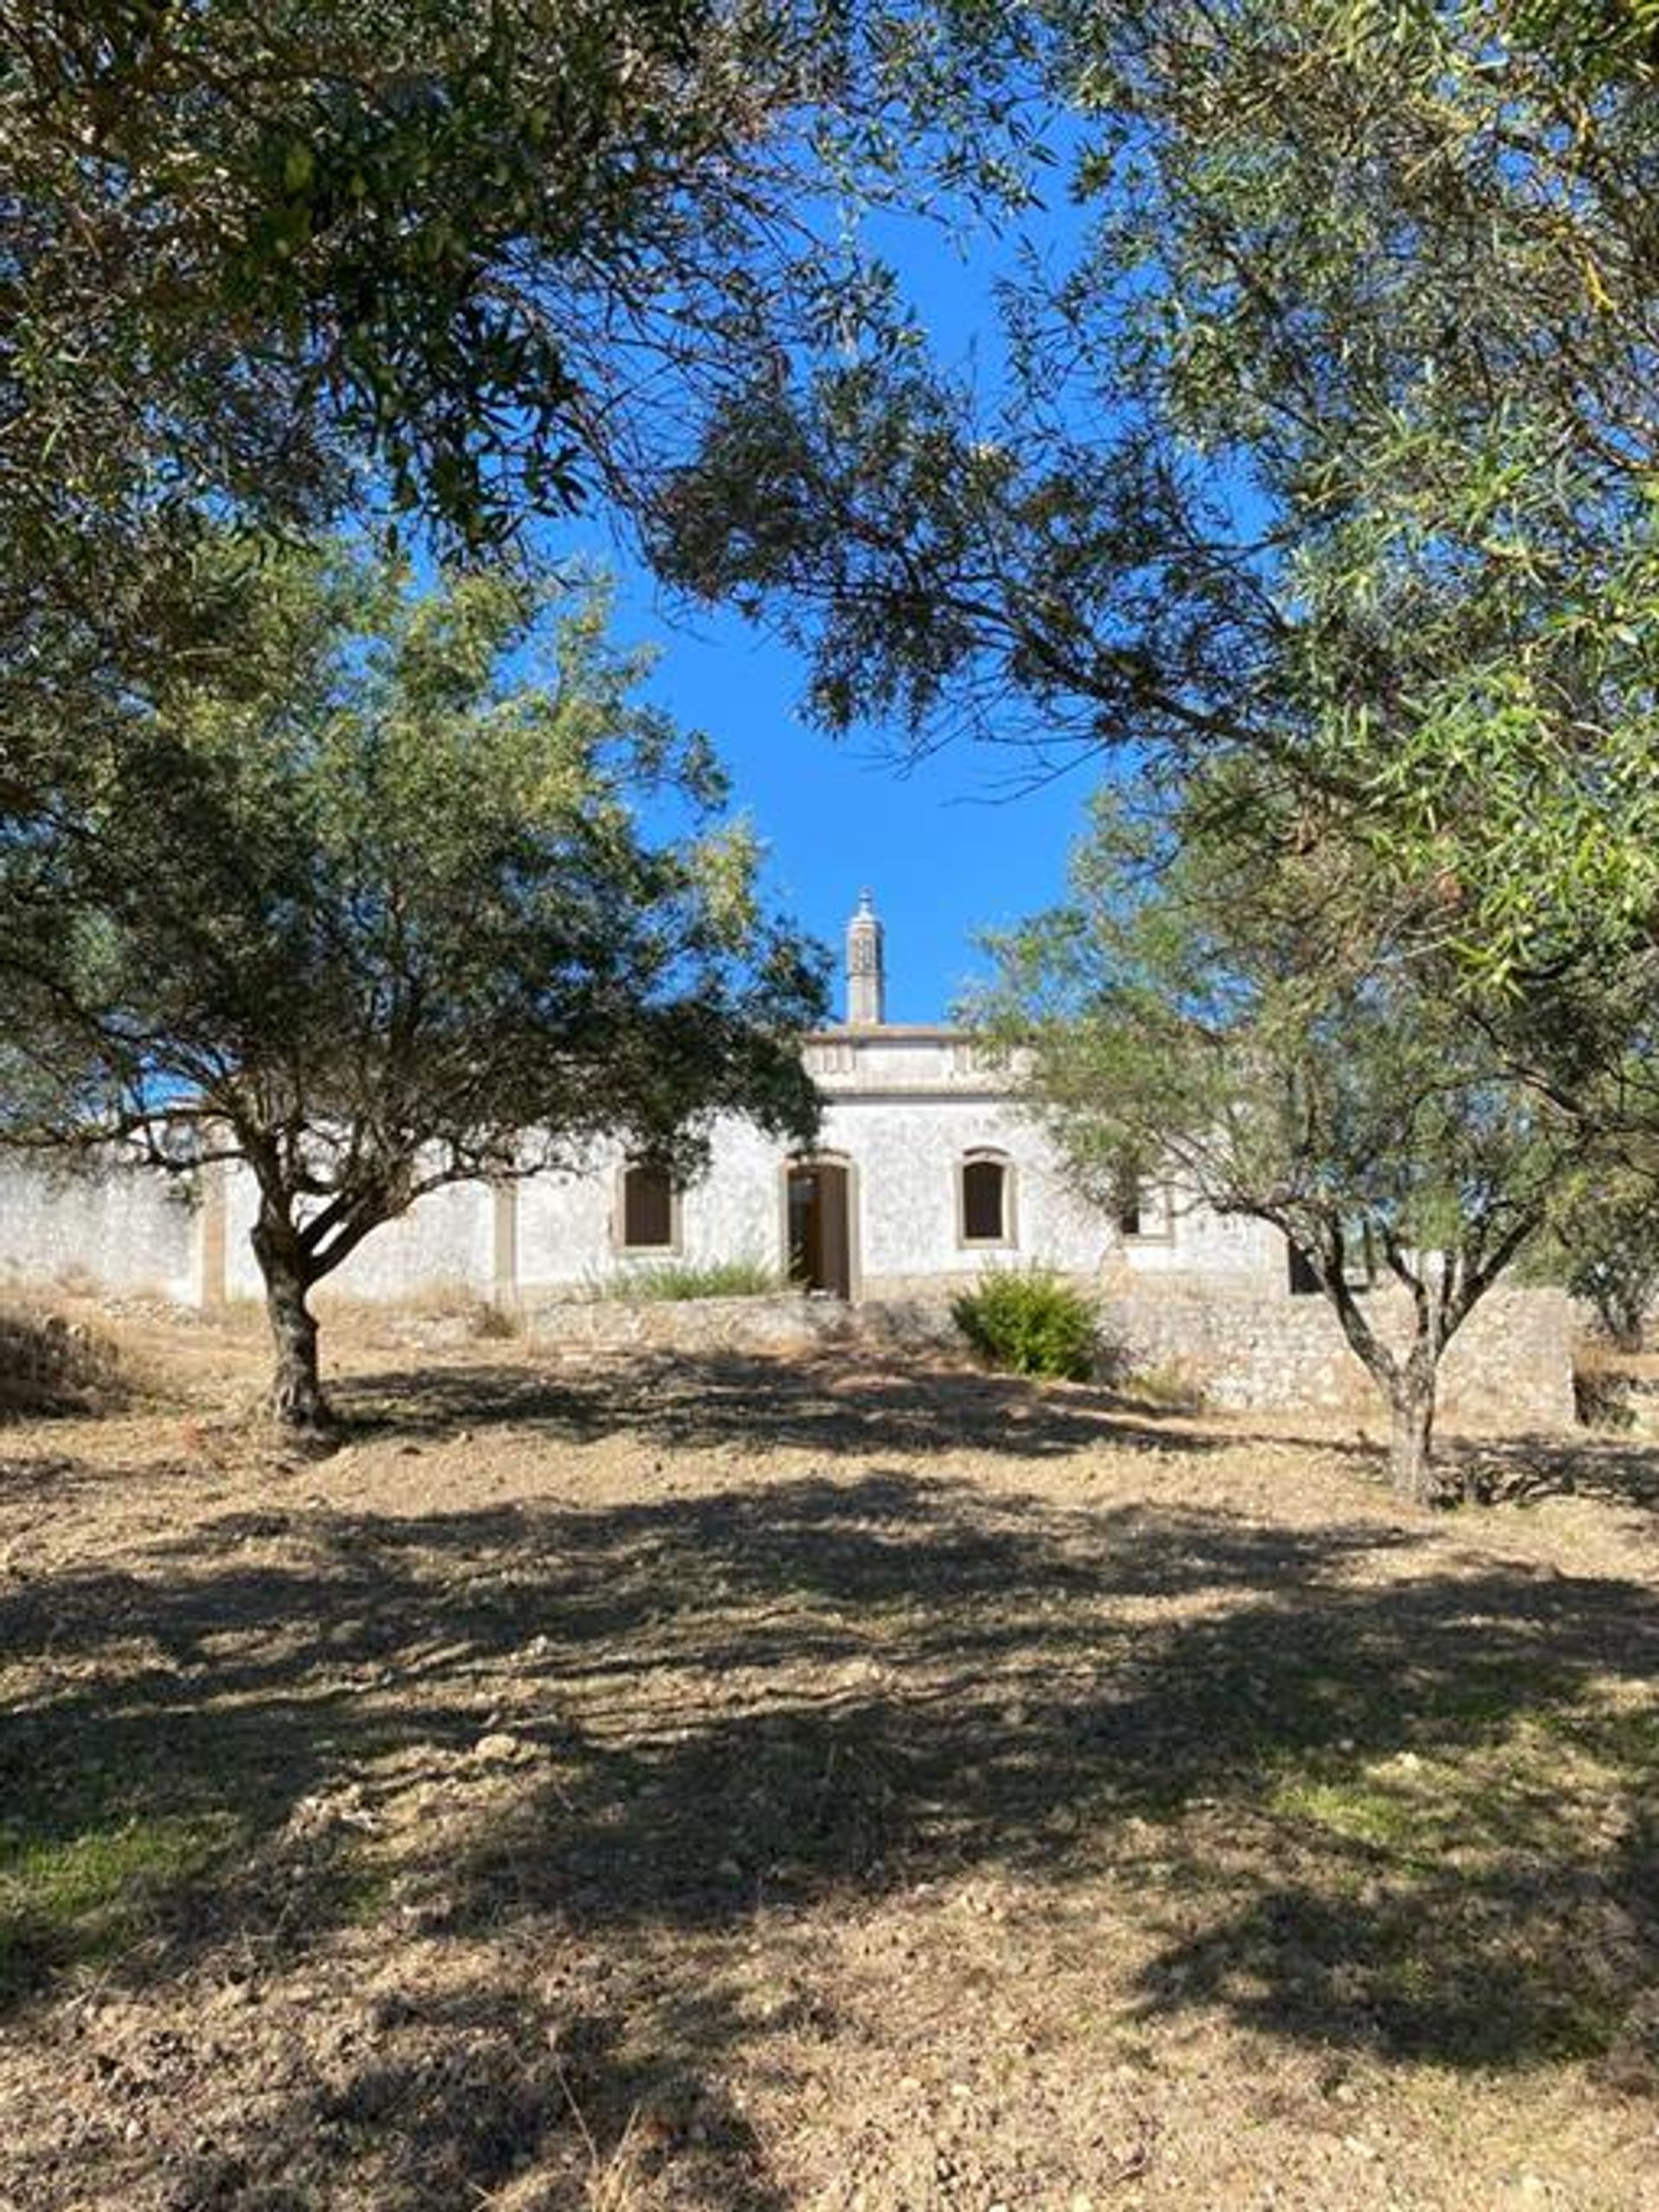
(752, 1784)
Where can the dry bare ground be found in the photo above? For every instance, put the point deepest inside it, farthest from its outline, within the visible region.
(747, 1785)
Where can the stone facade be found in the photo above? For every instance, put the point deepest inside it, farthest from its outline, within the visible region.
(911, 1113)
(928, 1171)
(904, 1108)
(1509, 1368)
(742, 1324)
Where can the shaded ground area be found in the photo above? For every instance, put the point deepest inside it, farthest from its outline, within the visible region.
(764, 1784)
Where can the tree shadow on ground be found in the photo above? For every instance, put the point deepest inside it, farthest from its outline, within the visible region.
(1524, 1471)
(761, 1403)
(1407, 1801)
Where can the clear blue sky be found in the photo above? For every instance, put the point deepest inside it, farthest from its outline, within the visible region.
(944, 849)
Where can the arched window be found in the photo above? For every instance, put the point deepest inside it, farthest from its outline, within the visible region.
(1146, 1213)
(648, 1209)
(985, 1198)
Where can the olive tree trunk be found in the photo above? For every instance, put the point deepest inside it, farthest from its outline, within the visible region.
(1407, 1380)
(297, 1400)
(1411, 1391)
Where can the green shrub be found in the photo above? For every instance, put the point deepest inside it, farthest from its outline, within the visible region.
(1030, 1321)
(740, 1278)
(491, 1321)
(1603, 1397)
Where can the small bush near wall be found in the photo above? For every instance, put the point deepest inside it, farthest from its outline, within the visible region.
(495, 1323)
(51, 1365)
(1029, 1322)
(1166, 1389)
(678, 1278)
(1604, 1393)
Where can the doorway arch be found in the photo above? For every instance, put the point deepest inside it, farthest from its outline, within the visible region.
(820, 1244)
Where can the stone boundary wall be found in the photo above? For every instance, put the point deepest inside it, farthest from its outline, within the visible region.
(129, 1232)
(105, 1223)
(738, 1324)
(1509, 1366)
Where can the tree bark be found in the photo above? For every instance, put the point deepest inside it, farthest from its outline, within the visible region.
(1411, 1403)
(1407, 1381)
(297, 1400)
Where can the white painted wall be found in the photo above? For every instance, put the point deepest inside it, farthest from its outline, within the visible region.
(1220, 1248)
(905, 1150)
(130, 1229)
(903, 1107)
(909, 1152)
(568, 1225)
(443, 1243)
(904, 1154)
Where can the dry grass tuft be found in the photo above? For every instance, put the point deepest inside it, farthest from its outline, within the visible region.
(52, 1363)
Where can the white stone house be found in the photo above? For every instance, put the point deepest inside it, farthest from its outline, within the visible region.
(928, 1169)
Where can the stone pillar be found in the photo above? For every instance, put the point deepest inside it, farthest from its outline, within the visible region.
(866, 975)
(504, 1272)
(213, 1256)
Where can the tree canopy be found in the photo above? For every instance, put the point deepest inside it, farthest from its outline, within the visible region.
(248, 246)
(478, 260)
(1229, 1014)
(1606, 1251)
(1330, 436)
(387, 915)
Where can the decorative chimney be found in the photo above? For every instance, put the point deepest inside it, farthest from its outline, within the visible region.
(865, 981)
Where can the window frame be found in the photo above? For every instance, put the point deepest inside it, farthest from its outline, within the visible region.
(1007, 1238)
(620, 1243)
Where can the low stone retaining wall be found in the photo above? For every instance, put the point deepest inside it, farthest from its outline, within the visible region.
(703, 1324)
(1509, 1366)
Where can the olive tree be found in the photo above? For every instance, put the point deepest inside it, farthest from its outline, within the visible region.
(1229, 1010)
(384, 915)
(458, 266)
(1325, 427)
(474, 260)
(1606, 1251)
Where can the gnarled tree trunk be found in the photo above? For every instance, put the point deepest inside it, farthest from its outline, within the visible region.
(1407, 1380)
(297, 1400)
(1411, 1406)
